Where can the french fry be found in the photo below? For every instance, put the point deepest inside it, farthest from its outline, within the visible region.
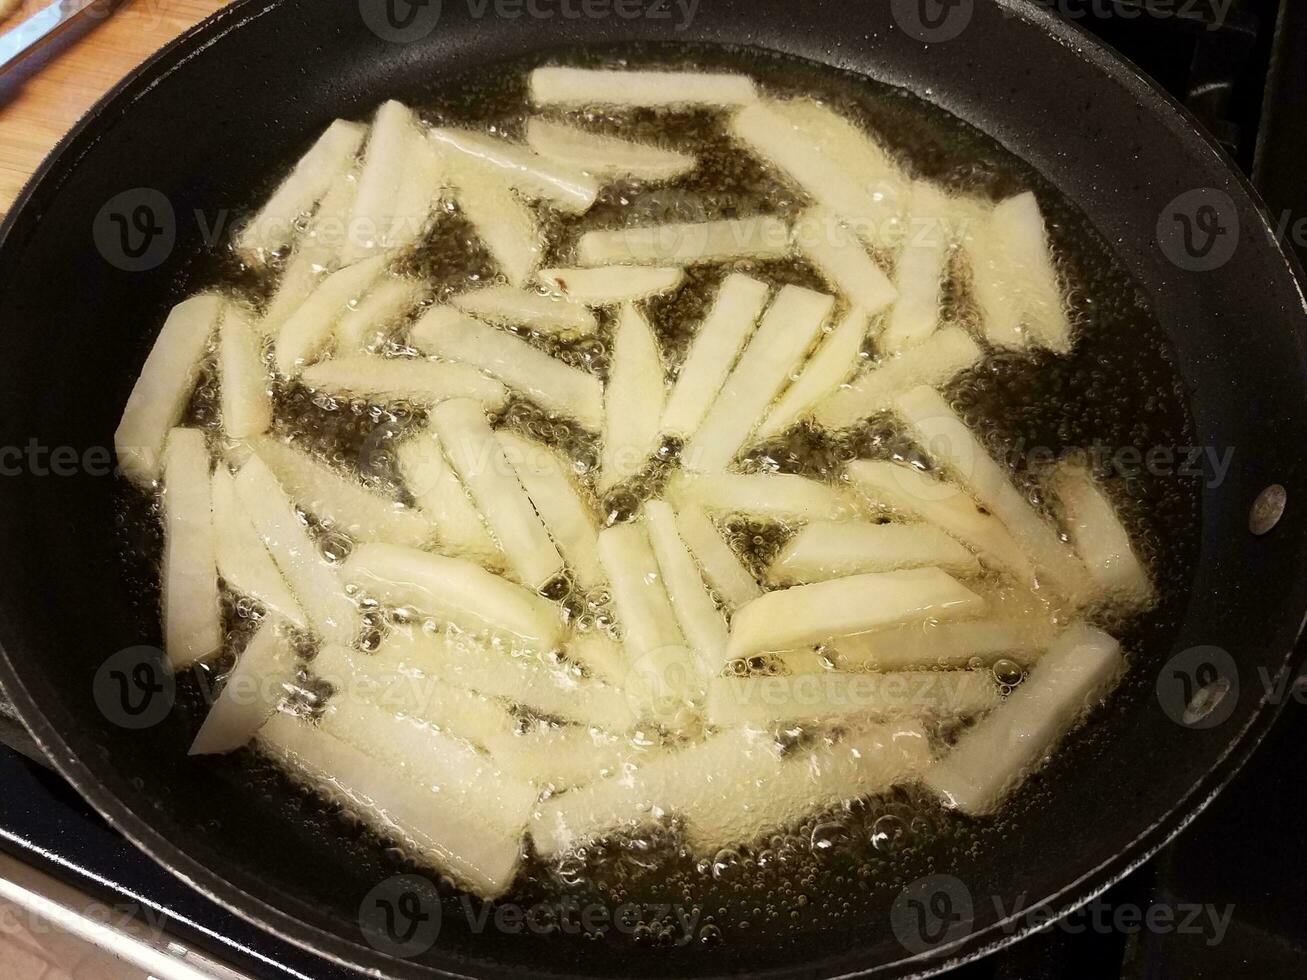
(510, 306)
(532, 175)
(721, 566)
(404, 379)
(1098, 536)
(253, 690)
(380, 310)
(164, 387)
(832, 549)
(772, 357)
(590, 86)
(505, 224)
(1022, 639)
(604, 657)
(311, 327)
(633, 400)
(837, 357)
(842, 260)
(556, 386)
(783, 497)
(243, 561)
(605, 156)
(246, 399)
(472, 449)
(192, 625)
(687, 243)
(992, 759)
(384, 162)
(460, 528)
(418, 192)
(920, 271)
(701, 622)
(610, 285)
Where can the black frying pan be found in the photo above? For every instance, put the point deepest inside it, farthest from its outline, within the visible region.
(203, 123)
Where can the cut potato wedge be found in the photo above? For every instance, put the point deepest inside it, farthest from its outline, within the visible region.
(192, 623)
(773, 357)
(246, 398)
(418, 193)
(385, 160)
(921, 270)
(378, 314)
(832, 549)
(610, 285)
(243, 561)
(721, 566)
(505, 224)
(840, 257)
(605, 156)
(835, 360)
(404, 379)
(633, 400)
(701, 622)
(928, 644)
(300, 276)
(602, 656)
(992, 759)
(263, 674)
(592, 86)
(556, 386)
(164, 387)
(436, 489)
(689, 243)
(783, 497)
(509, 306)
(310, 328)
(1098, 536)
(525, 171)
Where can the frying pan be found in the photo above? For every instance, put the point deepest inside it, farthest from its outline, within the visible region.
(201, 124)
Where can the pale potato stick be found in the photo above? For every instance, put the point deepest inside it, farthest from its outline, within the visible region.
(1018, 230)
(563, 756)
(243, 560)
(301, 273)
(245, 394)
(920, 271)
(721, 566)
(687, 243)
(309, 329)
(255, 687)
(837, 357)
(340, 500)
(701, 621)
(505, 224)
(456, 590)
(1098, 536)
(605, 156)
(384, 162)
(404, 379)
(834, 696)
(460, 529)
(532, 175)
(380, 310)
(332, 155)
(993, 758)
(842, 260)
(192, 622)
(436, 831)
(593, 86)
(609, 285)
(1022, 639)
(314, 581)
(164, 387)
(555, 386)
(471, 447)
(832, 549)
(418, 193)
(633, 400)
(938, 429)
(784, 497)
(604, 657)
(713, 352)
(934, 361)
(510, 306)
(548, 480)
(773, 356)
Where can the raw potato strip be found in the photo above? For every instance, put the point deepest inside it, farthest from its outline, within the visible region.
(831, 697)
(246, 400)
(806, 614)
(505, 224)
(783, 497)
(315, 582)
(253, 690)
(920, 270)
(440, 833)
(385, 159)
(932, 362)
(1098, 536)
(605, 156)
(831, 549)
(455, 590)
(556, 386)
(527, 172)
(993, 758)
(192, 623)
(243, 561)
(773, 356)
(164, 387)
(332, 155)
(471, 447)
(713, 352)
(701, 621)
(835, 360)
(418, 192)
(937, 428)
(405, 379)
(688, 243)
(600, 654)
(310, 328)
(571, 521)
(510, 306)
(721, 565)
(843, 261)
(460, 528)
(341, 500)
(924, 645)
(609, 285)
(376, 314)
(592, 86)
(633, 400)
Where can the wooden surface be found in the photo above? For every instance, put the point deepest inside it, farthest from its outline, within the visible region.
(50, 101)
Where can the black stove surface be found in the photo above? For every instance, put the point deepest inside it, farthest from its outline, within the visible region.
(1226, 900)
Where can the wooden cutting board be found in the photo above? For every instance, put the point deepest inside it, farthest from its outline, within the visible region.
(53, 99)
